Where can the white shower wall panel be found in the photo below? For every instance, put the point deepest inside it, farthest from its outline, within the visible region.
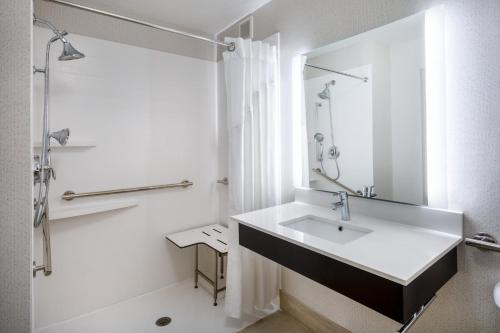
(152, 116)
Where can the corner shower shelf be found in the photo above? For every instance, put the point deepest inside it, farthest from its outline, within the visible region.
(74, 210)
(77, 143)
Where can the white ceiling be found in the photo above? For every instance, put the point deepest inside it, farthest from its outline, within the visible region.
(204, 16)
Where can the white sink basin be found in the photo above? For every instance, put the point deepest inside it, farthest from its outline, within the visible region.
(331, 230)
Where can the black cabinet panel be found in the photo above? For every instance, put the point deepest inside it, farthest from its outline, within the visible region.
(382, 295)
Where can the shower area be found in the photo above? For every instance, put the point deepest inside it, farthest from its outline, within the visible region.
(126, 144)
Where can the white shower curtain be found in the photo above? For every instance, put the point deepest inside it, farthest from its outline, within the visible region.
(251, 74)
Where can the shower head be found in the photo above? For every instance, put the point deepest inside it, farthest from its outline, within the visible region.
(69, 52)
(318, 137)
(325, 93)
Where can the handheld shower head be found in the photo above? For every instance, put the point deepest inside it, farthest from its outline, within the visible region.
(69, 52)
(318, 137)
(61, 136)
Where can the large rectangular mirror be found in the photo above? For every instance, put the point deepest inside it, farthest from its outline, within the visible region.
(365, 112)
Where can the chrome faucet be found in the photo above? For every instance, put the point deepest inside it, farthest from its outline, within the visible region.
(343, 204)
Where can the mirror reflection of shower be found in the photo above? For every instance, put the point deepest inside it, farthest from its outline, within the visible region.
(42, 167)
(333, 152)
(318, 138)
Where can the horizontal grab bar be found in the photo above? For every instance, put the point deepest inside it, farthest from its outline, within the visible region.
(348, 189)
(483, 241)
(70, 195)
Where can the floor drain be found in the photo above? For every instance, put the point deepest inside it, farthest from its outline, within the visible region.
(163, 321)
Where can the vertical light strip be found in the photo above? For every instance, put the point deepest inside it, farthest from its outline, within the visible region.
(300, 171)
(436, 107)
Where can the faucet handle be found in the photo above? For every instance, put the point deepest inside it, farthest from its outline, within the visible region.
(336, 205)
(343, 198)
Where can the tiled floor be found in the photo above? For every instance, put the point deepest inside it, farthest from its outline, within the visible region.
(191, 311)
(279, 322)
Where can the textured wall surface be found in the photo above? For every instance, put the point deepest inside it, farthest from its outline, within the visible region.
(99, 26)
(15, 165)
(465, 303)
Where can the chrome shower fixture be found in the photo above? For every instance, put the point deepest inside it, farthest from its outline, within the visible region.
(68, 52)
(42, 167)
(325, 93)
(61, 136)
(333, 152)
(318, 137)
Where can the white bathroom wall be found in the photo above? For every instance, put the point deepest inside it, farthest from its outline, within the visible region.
(15, 164)
(152, 118)
(465, 303)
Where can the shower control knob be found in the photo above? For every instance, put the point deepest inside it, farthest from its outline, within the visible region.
(334, 152)
(36, 169)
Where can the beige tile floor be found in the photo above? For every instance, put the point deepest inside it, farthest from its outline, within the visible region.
(279, 322)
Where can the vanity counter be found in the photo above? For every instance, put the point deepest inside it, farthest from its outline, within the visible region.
(394, 251)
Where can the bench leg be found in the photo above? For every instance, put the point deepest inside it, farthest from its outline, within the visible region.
(196, 266)
(221, 266)
(216, 287)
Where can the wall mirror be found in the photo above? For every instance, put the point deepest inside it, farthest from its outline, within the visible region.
(365, 113)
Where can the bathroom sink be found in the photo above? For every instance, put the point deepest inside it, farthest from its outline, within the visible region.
(330, 230)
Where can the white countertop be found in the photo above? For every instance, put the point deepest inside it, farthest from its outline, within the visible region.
(398, 252)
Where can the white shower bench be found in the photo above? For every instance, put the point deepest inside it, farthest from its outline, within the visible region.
(215, 237)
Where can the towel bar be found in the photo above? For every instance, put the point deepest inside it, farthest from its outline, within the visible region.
(415, 316)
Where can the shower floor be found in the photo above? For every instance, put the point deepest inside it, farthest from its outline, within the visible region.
(191, 310)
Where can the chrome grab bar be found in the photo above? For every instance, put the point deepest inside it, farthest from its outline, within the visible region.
(350, 190)
(483, 241)
(70, 195)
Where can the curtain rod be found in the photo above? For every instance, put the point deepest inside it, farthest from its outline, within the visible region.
(230, 47)
(365, 79)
